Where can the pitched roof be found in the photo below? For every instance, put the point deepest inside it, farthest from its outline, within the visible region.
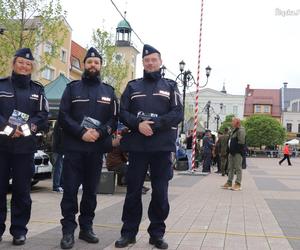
(77, 52)
(290, 94)
(55, 89)
(262, 97)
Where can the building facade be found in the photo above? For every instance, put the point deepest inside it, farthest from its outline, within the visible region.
(60, 64)
(262, 101)
(214, 106)
(126, 51)
(290, 107)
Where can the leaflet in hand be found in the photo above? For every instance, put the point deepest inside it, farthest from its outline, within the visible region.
(18, 118)
(89, 122)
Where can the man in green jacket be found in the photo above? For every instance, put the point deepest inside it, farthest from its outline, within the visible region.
(236, 147)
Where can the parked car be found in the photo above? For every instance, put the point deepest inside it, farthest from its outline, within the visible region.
(42, 167)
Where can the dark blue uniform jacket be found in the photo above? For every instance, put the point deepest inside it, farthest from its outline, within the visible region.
(92, 99)
(30, 100)
(160, 97)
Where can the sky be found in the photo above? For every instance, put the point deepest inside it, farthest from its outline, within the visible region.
(254, 42)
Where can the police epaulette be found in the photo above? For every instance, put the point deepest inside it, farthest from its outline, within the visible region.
(38, 83)
(108, 85)
(72, 82)
(4, 78)
(172, 82)
(134, 80)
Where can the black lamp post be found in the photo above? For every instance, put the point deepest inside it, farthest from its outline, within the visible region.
(208, 114)
(186, 80)
(163, 71)
(217, 117)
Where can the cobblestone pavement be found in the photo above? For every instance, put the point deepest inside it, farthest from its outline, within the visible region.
(264, 215)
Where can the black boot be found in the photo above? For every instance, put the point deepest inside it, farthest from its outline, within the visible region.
(88, 236)
(67, 241)
(20, 240)
(158, 243)
(124, 242)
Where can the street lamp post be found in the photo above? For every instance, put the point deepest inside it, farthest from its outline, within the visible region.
(218, 116)
(208, 114)
(186, 80)
(218, 119)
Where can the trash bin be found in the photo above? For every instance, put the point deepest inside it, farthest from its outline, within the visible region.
(182, 164)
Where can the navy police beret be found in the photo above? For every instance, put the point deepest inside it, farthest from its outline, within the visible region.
(25, 53)
(92, 52)
(148, 49)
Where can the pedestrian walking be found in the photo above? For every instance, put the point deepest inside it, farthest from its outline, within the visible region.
(88, 116)
(151, 108)
(23, 113)
(286, 154)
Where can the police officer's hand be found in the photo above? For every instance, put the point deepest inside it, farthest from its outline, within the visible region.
(18, 133)
(145, 128)
(116, 141)
(91, 135)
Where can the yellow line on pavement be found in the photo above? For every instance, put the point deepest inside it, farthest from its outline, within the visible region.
(200, 231)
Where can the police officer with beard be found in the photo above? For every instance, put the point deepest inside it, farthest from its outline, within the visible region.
(88, 116)
(23, 112)
(151, 109)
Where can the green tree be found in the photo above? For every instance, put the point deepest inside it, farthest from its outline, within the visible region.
(115, 69)
(30, 23)
(262, 130)
(226, 123)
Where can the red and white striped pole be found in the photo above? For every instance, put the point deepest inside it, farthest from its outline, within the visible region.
(197, 92)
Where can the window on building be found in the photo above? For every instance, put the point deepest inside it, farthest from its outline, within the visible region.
(298, 128)
(257, 109)
(223, 110)
(295, 107)
(267, 109)
(119, 58)
(63, 55)
(75, 62)
(132, 60)
(235, 110)
(289, 127)
(48, 48)
(48, 74)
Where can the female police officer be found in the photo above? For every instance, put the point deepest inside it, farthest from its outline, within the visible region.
(23, 112)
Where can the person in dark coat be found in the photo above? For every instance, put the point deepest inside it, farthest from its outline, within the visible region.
(88, 115)
(223, 141)
(207, 151)
(23, 112)
(57, 149)
(151, 108)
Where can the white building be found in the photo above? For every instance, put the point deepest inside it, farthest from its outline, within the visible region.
(290, 98)
(221, 105)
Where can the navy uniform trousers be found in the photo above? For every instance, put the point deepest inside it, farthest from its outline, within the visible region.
(80, 168)
(161, 172)
(20, 168)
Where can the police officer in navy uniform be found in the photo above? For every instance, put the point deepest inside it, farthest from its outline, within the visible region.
(25, 99)
(88, 99)
(151, 108)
